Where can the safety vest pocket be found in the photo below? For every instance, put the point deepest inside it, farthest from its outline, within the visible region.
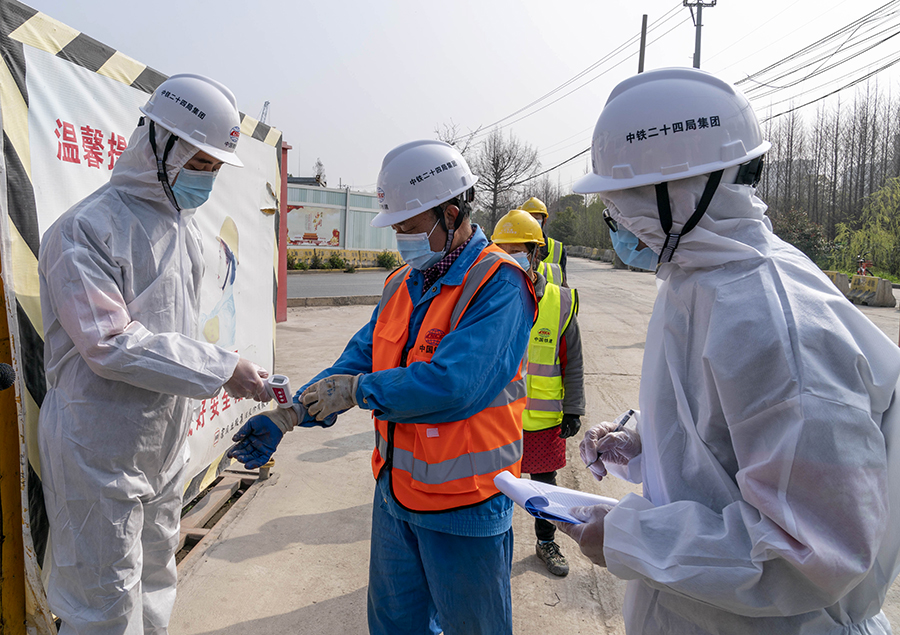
(386, 335)
(442, 459)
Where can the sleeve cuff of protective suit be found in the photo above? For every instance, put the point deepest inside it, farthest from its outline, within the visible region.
(620, 527)
(630, 472)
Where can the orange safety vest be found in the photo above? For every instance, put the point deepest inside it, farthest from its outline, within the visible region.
(444, 466)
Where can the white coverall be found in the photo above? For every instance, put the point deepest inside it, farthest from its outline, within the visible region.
(120, 274)
(771, 440)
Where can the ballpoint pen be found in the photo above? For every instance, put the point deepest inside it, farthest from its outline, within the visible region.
(622, 420)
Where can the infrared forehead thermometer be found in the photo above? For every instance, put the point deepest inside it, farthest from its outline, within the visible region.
(280, 389)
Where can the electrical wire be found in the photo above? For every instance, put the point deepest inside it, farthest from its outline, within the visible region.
(834, 92)
(483, 130)
(819, 43)
(846, 48)
(558, 165)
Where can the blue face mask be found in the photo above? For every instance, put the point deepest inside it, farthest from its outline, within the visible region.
(626, 245)
(522, 258)
(415, 249)
(193, 187)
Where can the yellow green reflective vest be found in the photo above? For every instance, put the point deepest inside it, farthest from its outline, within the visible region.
(551, 271)
(544, 382)
(554, 251)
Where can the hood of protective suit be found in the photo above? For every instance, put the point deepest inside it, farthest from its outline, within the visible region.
(728, 231)
(135, 170)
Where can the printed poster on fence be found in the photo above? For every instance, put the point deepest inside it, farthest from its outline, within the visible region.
(310, 226)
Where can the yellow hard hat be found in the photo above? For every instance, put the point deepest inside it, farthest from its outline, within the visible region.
(518, 226)
(535, 205)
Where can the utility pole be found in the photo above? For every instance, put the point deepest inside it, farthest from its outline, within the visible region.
(643, 44)
(698, 22)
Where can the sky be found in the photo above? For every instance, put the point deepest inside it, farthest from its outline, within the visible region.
(347, 81)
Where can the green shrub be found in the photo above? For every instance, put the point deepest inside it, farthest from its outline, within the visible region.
(295, 262)
(336, 262)
(387, 260)
(316, 262)
(349, 269)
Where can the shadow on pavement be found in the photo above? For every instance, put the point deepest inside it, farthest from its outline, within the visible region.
(345, 614)
(338, 527)
(339, 447)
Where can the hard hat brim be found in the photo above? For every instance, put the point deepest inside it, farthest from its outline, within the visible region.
(224, 156)
(593, 183)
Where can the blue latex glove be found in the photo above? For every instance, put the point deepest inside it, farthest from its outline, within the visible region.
(256, 441)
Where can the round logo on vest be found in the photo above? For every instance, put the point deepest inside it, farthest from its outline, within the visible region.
(434, 337)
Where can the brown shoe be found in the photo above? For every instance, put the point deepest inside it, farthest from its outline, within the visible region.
(556, 562)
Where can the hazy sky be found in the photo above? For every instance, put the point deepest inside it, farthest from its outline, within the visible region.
(349, 80)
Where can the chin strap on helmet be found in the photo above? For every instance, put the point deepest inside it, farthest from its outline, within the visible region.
(464, 199)
(161, 174)
(665, 214)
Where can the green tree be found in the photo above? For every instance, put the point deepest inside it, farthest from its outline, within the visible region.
(879, 230)
(795, 227)
(562, 228)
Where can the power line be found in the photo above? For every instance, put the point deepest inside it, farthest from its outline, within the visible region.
(823, 70)
(666, 17)
(834, 92)
(818, 43)
(558, 165)
(846, 48)
(593, 79)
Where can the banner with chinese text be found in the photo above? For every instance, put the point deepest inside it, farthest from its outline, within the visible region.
(69, 105)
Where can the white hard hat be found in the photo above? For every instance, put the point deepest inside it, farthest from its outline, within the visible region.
(417, 176)
(670, 124)
(199, 110)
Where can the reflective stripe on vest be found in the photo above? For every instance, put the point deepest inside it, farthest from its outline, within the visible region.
(552, 272)
(554, 251)
(438, 467)
(544, 379)
(464, 466)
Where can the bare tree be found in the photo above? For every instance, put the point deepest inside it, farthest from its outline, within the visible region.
(546, 189)
(319, 171)
(450, 133)
(503, 163)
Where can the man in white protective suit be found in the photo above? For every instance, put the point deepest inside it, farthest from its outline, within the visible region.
(120, 274)
(767, 441)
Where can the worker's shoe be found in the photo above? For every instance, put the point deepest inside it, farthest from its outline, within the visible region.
(556, 562)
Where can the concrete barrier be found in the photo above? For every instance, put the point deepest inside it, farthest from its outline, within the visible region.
(871, 291)
(840, 280)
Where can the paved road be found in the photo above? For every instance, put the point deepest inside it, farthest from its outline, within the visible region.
(293, 559)
(336, 284)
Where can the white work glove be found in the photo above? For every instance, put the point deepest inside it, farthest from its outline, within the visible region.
(604, 443)
(330, 395)
(588, 534)
(246, 381)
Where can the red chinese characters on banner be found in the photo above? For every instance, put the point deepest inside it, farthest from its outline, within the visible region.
(212, 408)
(92, 148)
(67, 149)
(117, 145)
(92, 142)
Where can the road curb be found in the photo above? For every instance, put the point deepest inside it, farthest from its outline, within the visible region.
(346, 300)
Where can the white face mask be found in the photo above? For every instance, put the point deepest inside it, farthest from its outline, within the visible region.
(415, 249)
(521, 257)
